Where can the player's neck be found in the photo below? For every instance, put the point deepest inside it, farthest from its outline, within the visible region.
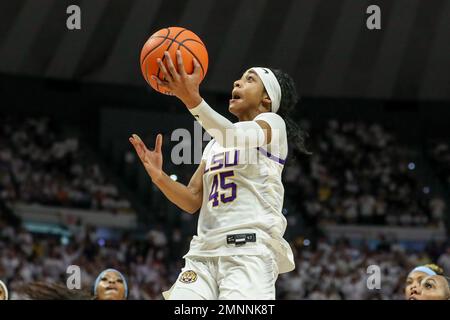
(248, 116)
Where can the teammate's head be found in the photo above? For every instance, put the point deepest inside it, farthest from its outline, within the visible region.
(416, 276)
(110, 285)
(3, 291)
(268, 90)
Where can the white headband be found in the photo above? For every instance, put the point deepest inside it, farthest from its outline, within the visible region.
(424, 269)
(5, 290)
(272, 86)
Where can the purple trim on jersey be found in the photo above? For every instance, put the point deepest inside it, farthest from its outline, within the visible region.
(271, 156)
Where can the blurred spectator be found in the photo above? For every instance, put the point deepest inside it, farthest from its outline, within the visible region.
(360, 174)
(444, 261)
(439, 154)
(38, 165)
(324, 271)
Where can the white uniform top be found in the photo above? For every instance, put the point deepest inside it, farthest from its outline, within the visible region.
(243, 193)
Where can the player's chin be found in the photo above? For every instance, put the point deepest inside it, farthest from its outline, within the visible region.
(111, 297)
(235, 107)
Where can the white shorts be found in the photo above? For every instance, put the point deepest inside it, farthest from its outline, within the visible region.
(226, 278)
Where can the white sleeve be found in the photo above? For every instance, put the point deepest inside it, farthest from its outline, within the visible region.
(278, 143)
(241, 135)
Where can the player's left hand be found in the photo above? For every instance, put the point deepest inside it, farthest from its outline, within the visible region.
(180, 84)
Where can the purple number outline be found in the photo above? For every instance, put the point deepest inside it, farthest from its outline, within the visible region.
(224, 186)
(215, 185)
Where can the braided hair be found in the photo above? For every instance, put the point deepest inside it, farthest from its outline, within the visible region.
(289, 99)
(435, 268)
(52, 291)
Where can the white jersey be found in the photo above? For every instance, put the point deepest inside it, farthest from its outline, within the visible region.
(243, 193)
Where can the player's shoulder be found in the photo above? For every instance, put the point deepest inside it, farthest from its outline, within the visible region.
(269, 115)
(210, 143)
(278, 143)
(273, 119)
(209, 146)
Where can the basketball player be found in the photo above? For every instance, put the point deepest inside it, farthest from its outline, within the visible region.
(110, 285)
(3, 291)
(239, 249)
(417, 275)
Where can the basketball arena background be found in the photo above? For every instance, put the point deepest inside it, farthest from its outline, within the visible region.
(376, 104)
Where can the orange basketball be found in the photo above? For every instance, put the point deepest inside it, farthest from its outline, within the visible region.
(172, 39)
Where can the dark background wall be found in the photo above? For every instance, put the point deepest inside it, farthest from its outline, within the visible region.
(85, 105)
(324, 44)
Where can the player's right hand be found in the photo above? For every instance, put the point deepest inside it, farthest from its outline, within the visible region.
(152, 160)
(180, 84)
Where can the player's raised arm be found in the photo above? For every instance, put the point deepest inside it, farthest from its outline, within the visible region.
(244, 134)
(187, 198)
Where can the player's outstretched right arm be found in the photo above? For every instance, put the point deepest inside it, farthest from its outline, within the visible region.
(188, 198)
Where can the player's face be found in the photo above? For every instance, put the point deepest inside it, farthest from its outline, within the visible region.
(248, 94)
(413, 281)
(434, 288)
(111, 287)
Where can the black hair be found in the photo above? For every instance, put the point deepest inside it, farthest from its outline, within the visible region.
(52, 291)
(288, 106)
